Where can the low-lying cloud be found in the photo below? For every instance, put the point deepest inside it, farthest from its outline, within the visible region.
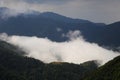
(76, 50)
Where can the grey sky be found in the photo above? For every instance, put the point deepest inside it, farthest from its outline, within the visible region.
(107, 11)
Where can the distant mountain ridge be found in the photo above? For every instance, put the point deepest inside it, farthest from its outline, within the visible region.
(42, 25)
(47, 24)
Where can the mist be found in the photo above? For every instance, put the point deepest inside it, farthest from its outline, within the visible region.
(76, 50)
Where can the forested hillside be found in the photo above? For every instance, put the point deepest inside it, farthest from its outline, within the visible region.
(14, 66)
(109, 71)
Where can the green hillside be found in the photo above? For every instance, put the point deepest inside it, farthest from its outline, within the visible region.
(110, 71)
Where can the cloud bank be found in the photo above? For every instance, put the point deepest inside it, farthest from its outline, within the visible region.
(95, 10)
(77, 50)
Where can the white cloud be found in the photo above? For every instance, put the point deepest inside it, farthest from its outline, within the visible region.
(75, 51)
(73, 35)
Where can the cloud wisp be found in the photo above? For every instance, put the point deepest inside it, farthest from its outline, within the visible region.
(76, 50)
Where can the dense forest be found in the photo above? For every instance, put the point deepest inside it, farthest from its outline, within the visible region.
(110, 71)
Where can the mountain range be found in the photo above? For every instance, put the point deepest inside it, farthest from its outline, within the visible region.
(53, 26)
(14, 65)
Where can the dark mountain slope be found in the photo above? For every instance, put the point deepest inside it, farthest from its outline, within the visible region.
(13, 64)
(113, 34)
(110, 71)
(46, 25)
(110, 36)
(53, 26)
(16, 67)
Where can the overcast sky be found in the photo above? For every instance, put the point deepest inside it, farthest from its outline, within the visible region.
(107, 11)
